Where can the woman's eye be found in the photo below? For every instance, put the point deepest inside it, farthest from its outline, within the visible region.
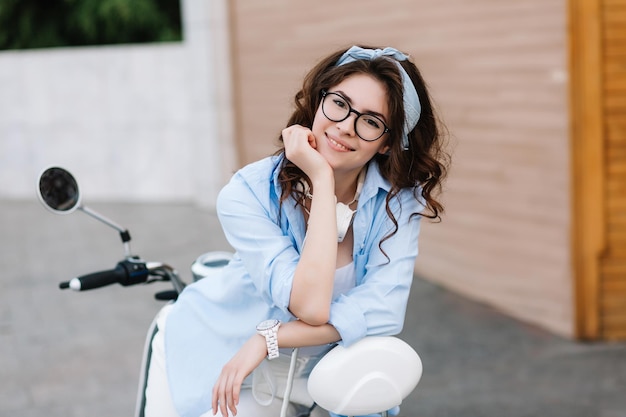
(372, 122)
(340, 103)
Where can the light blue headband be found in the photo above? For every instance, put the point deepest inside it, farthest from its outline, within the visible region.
(412, 106)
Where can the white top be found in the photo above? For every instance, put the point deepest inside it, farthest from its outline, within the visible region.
(345, 280)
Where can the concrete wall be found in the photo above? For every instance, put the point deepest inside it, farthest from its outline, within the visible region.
(133, 122)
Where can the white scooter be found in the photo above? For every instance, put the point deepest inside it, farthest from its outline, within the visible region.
(370, 377)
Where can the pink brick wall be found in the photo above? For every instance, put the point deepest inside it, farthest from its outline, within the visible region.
(498, 73)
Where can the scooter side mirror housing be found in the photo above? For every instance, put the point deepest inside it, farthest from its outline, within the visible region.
(58, 190)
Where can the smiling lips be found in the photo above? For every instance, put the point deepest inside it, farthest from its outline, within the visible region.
(338, 146)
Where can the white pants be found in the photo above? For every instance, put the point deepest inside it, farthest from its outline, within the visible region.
(159, 401)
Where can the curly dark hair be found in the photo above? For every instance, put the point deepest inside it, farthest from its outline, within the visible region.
(422, 167)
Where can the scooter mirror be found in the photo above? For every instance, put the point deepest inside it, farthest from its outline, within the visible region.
(58, 190)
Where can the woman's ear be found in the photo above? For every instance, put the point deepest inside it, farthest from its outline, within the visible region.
(384, 150)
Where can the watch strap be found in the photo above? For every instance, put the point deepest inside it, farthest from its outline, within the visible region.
(271, 339)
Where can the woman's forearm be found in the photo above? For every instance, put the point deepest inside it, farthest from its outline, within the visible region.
(299, 334)
(314, 276)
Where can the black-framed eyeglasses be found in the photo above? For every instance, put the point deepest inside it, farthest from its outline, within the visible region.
(337, 109)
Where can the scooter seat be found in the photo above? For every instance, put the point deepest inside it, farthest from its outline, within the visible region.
(371, 376)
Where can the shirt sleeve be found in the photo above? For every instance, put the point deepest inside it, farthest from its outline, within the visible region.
(377, 305)
(249, 218)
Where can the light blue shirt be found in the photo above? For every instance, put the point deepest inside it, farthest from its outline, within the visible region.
(214, 317)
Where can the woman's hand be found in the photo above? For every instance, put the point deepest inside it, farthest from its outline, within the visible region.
(301, 149)
(228, 385)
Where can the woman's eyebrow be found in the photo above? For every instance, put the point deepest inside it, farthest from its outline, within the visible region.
(349, 100)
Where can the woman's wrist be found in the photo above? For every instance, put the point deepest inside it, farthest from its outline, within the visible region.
(323, 183)
(323, 178)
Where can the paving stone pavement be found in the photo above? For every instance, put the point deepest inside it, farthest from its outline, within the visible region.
(78, 354)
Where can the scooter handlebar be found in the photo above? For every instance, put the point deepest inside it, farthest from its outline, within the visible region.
(127, 272)
(95, 280)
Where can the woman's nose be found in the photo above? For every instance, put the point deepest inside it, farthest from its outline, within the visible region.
(348, 124)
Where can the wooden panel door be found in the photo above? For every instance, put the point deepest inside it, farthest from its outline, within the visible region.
(598, 104)
(613, 263)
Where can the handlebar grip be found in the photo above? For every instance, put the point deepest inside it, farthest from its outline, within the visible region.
(98, 279)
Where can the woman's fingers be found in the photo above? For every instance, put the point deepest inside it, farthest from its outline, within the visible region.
(218, 396)
(234, 395)
(301, 149)
(298, 139)
(226, 395)
(227, 388)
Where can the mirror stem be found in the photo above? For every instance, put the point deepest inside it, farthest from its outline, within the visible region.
(124, 234)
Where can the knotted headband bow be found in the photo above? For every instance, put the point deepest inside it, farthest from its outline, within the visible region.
(412, 106)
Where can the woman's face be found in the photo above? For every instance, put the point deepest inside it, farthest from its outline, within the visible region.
(338, 141)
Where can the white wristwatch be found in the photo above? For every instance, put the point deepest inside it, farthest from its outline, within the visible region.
(269, 330)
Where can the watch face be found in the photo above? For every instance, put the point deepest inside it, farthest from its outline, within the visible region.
(267, 324)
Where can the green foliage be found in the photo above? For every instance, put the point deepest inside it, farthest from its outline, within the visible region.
(26, 24)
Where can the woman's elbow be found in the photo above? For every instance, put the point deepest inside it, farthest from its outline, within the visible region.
(310, 310)
(314, 317)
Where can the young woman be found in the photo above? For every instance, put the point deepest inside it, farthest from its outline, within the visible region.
(325, 236)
